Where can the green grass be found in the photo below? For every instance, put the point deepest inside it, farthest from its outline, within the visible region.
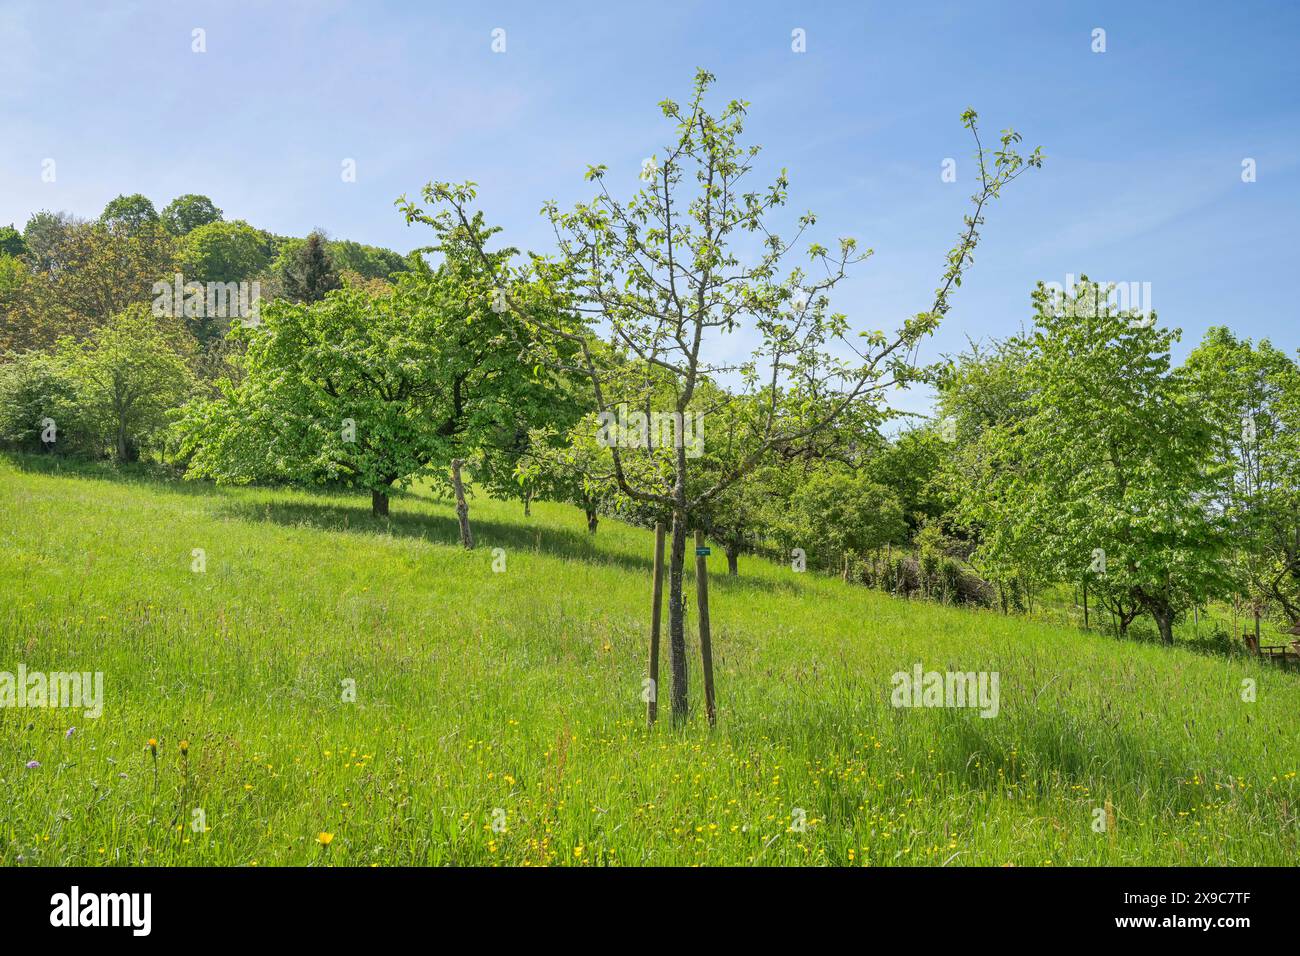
(521, 691)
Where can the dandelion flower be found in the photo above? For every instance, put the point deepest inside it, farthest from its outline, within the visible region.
(324, 839)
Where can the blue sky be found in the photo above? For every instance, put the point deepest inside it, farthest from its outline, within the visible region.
(1144, 142)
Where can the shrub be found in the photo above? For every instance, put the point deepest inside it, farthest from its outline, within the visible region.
(37, 388)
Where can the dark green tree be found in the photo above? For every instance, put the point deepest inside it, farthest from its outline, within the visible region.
(11, 242)
(309, 272)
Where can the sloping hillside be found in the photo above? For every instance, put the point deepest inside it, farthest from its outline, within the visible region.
(498, 715)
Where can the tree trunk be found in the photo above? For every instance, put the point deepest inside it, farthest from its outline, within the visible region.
(1164, 618)
(528, 504)
(733, 560)
(592, 521)
(379, 503)
(652, 703)
(676, 622)
(706, 639)
(121, 442)
(1125, 618)
(462, 509)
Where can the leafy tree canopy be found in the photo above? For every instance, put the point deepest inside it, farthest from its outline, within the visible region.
(129, 214)
(186, 213)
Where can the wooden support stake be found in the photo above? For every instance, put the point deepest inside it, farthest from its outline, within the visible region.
(706, 642)
(462, 509)
(652, 702)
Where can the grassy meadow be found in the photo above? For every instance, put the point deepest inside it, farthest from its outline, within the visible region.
(520, 691)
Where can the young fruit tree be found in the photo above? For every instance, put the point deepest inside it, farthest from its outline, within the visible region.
(570, 467)
(667, 277)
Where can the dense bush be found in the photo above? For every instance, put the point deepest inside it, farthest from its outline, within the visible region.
(936, 576)
(37, 388)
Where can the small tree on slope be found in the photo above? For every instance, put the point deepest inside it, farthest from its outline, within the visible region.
(662, 278)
